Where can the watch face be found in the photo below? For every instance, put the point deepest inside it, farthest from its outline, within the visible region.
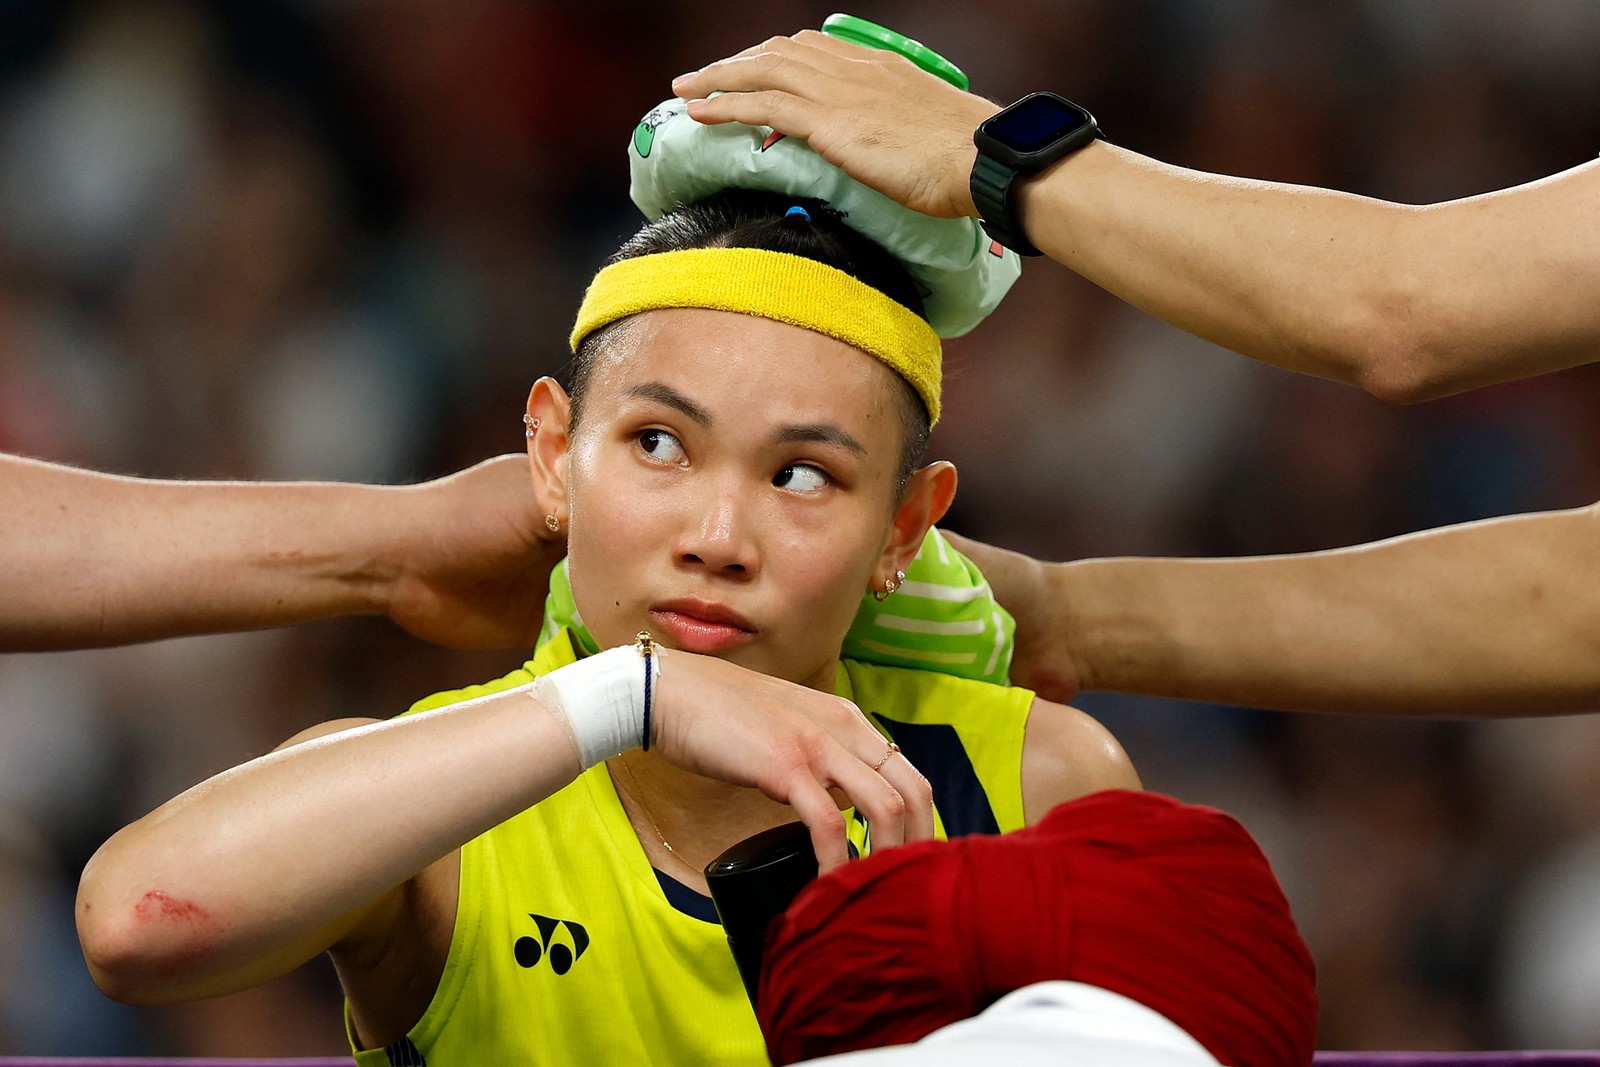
(1037, 121)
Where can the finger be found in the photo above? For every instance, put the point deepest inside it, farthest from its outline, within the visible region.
(872, 795)
(915, 792)
(829, 53)
(812, 43)
(752, 73)
(781, 63)
(784, 113)
(816, 809)
(908, 813)
(777, 44)
(824, 42)
(841, 57)
(777, 49)
(754, 50)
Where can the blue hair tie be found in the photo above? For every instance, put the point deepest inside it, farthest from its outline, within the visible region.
(798, 210)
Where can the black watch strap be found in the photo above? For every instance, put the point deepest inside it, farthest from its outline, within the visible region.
(992, 184)
(1015, 143)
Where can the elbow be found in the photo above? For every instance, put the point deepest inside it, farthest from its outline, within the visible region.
(1402, 373)
(1399, 327)
(113, 976)
(1404, 331)
(146, 952)
(121, 959)
(116, 957)
(1392, 349)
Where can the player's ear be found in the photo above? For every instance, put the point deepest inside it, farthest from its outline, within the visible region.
(923, 502)
(549, 411)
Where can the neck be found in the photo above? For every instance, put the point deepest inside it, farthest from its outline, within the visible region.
(698, 817)
(823, 678)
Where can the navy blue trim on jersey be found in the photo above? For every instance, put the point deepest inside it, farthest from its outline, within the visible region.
(935, 749)
(681, 897)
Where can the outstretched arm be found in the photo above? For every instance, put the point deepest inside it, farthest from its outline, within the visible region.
(1406, 302)
(1497, 618)
(95, 559)
(320, 844)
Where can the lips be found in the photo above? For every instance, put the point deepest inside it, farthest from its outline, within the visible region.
(701, 626)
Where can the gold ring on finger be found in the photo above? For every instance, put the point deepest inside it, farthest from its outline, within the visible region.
(893, 748)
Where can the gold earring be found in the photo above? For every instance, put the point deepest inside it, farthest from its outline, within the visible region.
(552, 524)
(889, 586)
(532, 423)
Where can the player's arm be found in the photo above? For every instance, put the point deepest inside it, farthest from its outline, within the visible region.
(258, 869)
(1499, 617)
(94, 559)
(253, 872)
(1406, 302)
(1067, 754)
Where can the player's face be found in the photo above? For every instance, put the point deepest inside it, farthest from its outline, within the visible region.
(731, 488)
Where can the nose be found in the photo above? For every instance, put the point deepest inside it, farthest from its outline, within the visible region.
(721, 540)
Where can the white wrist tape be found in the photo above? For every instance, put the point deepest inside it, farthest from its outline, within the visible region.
(602, 699)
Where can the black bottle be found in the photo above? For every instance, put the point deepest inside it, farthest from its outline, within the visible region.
(752, 883)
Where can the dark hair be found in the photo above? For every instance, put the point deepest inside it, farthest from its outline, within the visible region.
(745, 218)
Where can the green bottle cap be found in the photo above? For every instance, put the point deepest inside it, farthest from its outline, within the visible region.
(860, 31)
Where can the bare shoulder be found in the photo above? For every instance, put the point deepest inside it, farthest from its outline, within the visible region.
(1067, 754)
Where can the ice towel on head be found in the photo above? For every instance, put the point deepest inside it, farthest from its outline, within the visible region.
(674, 160)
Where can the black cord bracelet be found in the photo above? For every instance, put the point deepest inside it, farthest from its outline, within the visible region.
(647, 649)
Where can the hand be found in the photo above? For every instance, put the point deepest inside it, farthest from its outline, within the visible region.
(475, 559)
(1043, 658)
(873, 113)
(794, 744)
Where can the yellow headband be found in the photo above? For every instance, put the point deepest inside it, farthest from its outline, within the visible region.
(771, 285)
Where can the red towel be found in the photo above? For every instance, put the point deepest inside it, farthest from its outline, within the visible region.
(1169, 904)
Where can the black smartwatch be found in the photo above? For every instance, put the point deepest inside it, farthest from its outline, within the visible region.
(1019, 142)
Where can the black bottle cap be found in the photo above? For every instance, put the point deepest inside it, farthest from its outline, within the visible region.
(755, 880)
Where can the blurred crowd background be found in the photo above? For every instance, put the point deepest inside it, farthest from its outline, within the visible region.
(325, 239)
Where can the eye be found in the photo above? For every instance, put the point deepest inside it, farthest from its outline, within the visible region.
(661, 446)
(802, 477)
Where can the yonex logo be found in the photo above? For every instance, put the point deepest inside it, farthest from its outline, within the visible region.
(529, 951)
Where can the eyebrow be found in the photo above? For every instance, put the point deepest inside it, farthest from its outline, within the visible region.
(820, 433)
(662, 393)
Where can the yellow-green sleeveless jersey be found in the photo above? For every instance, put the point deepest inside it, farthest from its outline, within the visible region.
(567, 948)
